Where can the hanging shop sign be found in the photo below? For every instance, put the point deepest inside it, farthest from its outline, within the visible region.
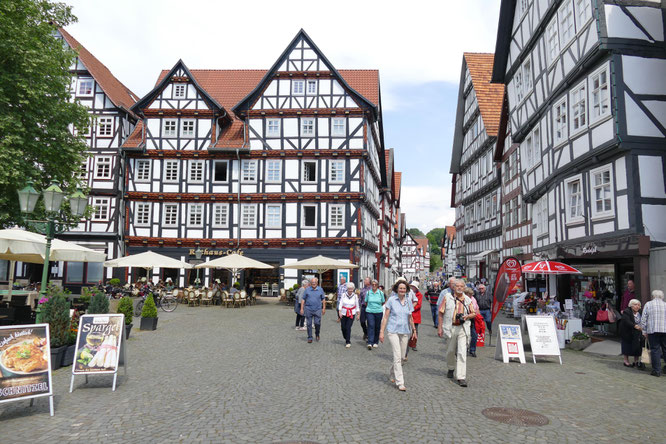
(508, 275)
(216, 252)
(510, 339)
(543, 336)
(25, 363)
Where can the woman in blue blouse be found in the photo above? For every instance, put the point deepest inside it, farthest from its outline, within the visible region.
(374, 299)
(400, 325)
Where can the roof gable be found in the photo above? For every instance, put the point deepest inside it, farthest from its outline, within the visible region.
(489, 96)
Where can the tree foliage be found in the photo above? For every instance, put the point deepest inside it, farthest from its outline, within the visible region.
(36, 114)
(416, 232)
(435, 262)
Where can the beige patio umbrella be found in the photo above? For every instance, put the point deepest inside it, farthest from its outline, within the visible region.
(147, 260)
(234, 262)
(321, 264)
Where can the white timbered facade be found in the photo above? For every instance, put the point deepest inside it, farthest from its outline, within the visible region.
(587, 100)
(412, 260)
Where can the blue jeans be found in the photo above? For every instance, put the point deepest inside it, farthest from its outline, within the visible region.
(472, 342)
(310, 316)
(433, 309)
(374, 324)
(657, 350)
(487, 316)
(363, 318)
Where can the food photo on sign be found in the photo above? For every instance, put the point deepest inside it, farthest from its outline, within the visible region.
(24, 361)
(98, 343)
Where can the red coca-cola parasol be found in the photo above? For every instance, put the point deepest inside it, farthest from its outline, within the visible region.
(549, 267)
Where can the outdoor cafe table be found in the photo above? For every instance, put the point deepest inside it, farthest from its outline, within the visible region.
(32, 296)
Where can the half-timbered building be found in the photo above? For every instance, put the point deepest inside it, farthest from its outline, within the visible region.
(449, 259)
(412, 260)
(587, 101)
(284, 164)
(477, 191)
(388, 256)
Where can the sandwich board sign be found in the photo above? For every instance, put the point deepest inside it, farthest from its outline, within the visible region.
(543, 337)
(510, 341)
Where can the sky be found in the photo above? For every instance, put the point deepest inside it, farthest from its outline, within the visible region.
(417, 47)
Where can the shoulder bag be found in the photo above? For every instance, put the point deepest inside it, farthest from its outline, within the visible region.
(602, 314)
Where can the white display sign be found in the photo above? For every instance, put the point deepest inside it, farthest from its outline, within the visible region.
(543, 336)
(510, 340)
(568, 304)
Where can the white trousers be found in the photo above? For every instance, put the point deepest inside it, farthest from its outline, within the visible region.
(456, 353)
(399, 348)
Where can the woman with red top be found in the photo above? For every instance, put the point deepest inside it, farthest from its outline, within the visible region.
(417, 300)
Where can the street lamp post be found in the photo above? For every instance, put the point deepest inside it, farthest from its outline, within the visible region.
(53, 199)
(198, 253)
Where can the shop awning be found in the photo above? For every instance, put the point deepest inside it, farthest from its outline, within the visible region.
(483, 254)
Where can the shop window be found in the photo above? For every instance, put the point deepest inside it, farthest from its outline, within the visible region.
(74, 272)
(95, 272)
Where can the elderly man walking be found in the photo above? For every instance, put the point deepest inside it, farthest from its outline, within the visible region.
(485, 301)
(653, 323)
(432, 295)
(313, 307)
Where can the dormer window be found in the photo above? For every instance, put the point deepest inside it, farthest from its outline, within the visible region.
(85, 87)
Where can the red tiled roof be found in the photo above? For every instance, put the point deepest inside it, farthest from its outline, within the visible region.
(119, 94)
(490, 96)
(397, 179)
(422, 243)
(450, 232)
(135, 139)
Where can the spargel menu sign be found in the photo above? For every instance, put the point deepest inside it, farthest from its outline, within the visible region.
(98, 344)
(543, 337)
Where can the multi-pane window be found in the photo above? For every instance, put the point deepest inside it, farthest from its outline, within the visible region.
(83, 171)
(602, 191)
(105, 126)
(273, 171)
(578, 107)
(309, 218)
(518, 85)
(513, 158)
(248, 216)
(533, 148)
(566, 21)
(336, 216)
(170, 218)
(488, 208)
(273, 127)
(179, 90)
(171, 170)
(273, 216)
(220, 215)
(195, 215)
(494, 205)
(560, 129)
(575, 199)
(507, 214)
(170, 128)
(583, 12)
(339, 127)
(552, 41)
(312, 87)
(142, 170)
(297, 87)
(187, 128)
(337, 171)
(309, 171)
(307, 127)
(600, 94)
(101, 207)
(527, 76)
(541, 215)
(103, 167)
(142, 215)
(220, 171)
(249, 171)
(85, 87)
(196, 173)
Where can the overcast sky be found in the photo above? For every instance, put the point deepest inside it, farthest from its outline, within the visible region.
(417, 47)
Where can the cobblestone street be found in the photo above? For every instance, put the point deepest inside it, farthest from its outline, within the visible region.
(245, 375)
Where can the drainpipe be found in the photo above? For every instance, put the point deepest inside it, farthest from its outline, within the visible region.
(238, 233)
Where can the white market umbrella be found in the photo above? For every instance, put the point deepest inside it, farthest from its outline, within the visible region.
(147, 260)
(321, 264)
(234, 262)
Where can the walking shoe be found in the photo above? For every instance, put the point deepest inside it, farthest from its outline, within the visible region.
(655, 373)
(347, 345)
(472, 354)
(462, 383)
(317, 338)
(302, 328)
(309, 341)
(375, 345)
(402, 388)
(369, 347)
(449, 374)
(414, 349)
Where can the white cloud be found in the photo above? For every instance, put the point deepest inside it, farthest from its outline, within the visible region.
(427, 207)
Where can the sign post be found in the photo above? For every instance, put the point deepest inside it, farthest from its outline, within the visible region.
(25, 362)
(509, 343)
(543, 336)
(98, 346)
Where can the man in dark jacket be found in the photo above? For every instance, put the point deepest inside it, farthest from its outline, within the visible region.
(432, 295)
(484, 298)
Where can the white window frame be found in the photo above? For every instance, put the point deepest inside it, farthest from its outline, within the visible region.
(273, 127)
(578, 101)
(82, 81)
(309, 88)
(194, 167)
(316, 207)
(307, 126)
(172, 130)
(528, 76)
(583, 13)
(192, 128)
(169, 173)
(106, 164)
(143, 212)
(332, 222)
(593, 91)
(249, 171)
(560, 105)
(593, 195)
(541, 217)
(552, 41)
(142, 175)
(268, 221)
(579, 217)
(518, 85)
(564, 14)
(215, 162)
(338, 126)
(105, 127)
(245, 211)
(273, 166)
(298, 87)
(83, 170)
(165, 220)
(179, 90)
(316, 163)
(218, 223)
(192, 210)
(332, 170)
(100, 203)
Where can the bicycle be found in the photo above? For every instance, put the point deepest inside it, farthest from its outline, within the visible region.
(166, 301)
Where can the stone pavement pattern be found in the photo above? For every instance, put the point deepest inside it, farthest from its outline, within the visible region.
(210, 374)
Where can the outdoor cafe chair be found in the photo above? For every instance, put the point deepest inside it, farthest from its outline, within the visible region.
(243, 297)
(265, 289)
(227, 299)
(192, 298)
(207, 297)
(275, 290)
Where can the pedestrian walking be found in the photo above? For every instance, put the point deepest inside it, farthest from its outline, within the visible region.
(416, 314)
(432, 295)
(374, 300)
(628, 295)
(443, 293)
(348, 309)
(313, 306)
(472, 327)
(300, 319)
(630, 334)
(363, 316)
(454, 315)
(485, 301)
(653, 323)
(342, 289)
(399, 324)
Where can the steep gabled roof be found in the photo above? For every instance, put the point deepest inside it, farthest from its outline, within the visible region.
(490, 96)
(423, 244)
(503, 42)
(397, 184)
(119, 94)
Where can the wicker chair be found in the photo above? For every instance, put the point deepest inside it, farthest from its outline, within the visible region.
(192, 298)
(243, 298)
(207, 297)
(331, 300)
(227, 299)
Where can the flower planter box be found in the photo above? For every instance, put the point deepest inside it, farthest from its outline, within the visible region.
(57, 356)
(148, 323)
(579, 344)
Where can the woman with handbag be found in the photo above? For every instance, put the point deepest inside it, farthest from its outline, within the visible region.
(630, 333)
(347, 309)
(417, 300)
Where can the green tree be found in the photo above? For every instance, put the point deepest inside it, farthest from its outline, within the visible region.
(435, 262)
(36, 113)
(416, 232)
(435, 237)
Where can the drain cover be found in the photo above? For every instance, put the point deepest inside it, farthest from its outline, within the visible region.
(581, 373)
(518, 417)
(296, 442)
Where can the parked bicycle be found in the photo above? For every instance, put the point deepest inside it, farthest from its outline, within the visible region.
(166, 301)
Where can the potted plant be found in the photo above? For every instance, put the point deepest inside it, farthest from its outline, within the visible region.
(99, 303)
(115, 282)
(55, 312)
(68, 356)
(579, 341)
(126, 307)
(149, 314)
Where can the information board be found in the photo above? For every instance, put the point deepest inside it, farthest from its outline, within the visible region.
(510, 340)
(543, 336)
(25, 363)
